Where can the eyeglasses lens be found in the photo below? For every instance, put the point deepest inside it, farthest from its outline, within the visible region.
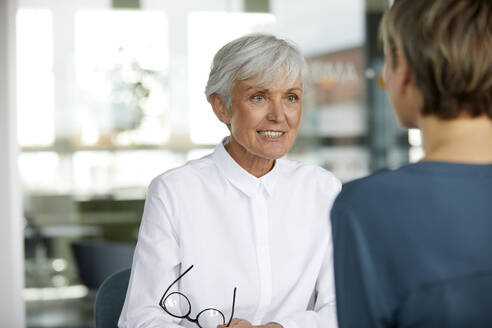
(211, 319)
(177, 305)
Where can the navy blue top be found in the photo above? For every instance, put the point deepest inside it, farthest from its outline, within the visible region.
(413, 247)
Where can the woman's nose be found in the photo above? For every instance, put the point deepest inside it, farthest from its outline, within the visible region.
(276, 111)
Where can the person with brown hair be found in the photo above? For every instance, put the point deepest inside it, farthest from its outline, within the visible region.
(412, 246)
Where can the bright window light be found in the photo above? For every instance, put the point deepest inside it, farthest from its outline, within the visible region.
(92, 171)
(208, 32)
(138, 168)
(40, 171)
(121, 67)
(35, 80)
(415, 154)
(414, 137)
(122, 173)
(55, 293)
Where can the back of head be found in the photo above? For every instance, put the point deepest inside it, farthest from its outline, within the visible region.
(256, 55)
(448, 47)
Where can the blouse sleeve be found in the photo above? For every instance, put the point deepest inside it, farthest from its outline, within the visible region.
(324, 314)
(155, 263)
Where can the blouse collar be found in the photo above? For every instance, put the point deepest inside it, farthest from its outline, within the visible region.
(242, 179)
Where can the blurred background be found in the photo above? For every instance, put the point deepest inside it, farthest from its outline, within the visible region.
(111, 94)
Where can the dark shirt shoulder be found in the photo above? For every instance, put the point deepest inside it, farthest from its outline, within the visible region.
(410, 243)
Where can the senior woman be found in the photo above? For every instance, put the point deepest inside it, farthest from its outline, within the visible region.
(412, 247)
(242, 217)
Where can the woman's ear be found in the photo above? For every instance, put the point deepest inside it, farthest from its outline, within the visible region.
(411, 98)
(220, 108)
(407, 80)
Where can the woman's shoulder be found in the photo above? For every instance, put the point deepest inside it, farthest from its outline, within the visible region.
(381, 185)
(186, 173)
(310, 173)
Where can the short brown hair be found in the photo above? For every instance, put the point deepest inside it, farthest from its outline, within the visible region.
(448, 47)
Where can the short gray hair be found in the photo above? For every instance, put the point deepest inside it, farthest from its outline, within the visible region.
(262, 55)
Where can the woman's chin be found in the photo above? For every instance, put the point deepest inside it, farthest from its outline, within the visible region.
(274, 149)
(272, 154)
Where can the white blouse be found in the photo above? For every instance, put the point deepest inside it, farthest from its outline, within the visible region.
(270, 237)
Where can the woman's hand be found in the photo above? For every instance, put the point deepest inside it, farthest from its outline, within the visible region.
(238, 323)
(241, 323)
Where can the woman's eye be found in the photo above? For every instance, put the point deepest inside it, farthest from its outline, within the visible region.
(292, 98)
(258, 97)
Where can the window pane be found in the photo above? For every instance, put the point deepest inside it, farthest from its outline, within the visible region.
(123, 174)
(121, 66)
(40, 171)
(35, 80)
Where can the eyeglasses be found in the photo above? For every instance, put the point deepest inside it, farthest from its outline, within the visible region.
(178, 306)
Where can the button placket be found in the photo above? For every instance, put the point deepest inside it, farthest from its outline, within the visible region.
(260, 217)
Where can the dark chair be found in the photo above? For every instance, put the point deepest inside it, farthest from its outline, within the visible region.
(97, 260)
(110, 298)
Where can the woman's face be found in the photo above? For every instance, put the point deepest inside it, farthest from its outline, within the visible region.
(264, 120)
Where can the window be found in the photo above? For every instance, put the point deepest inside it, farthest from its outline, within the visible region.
(35, 78)
(121, 72)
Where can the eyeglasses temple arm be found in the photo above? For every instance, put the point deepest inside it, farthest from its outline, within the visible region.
(233, 304)
(175, 281)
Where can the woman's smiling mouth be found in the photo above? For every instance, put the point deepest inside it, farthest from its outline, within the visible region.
(271, 134)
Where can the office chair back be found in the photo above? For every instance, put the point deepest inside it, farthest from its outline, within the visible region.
(110, 298)
(97, 260)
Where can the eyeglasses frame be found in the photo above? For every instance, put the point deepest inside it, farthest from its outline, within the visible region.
(187, 315)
